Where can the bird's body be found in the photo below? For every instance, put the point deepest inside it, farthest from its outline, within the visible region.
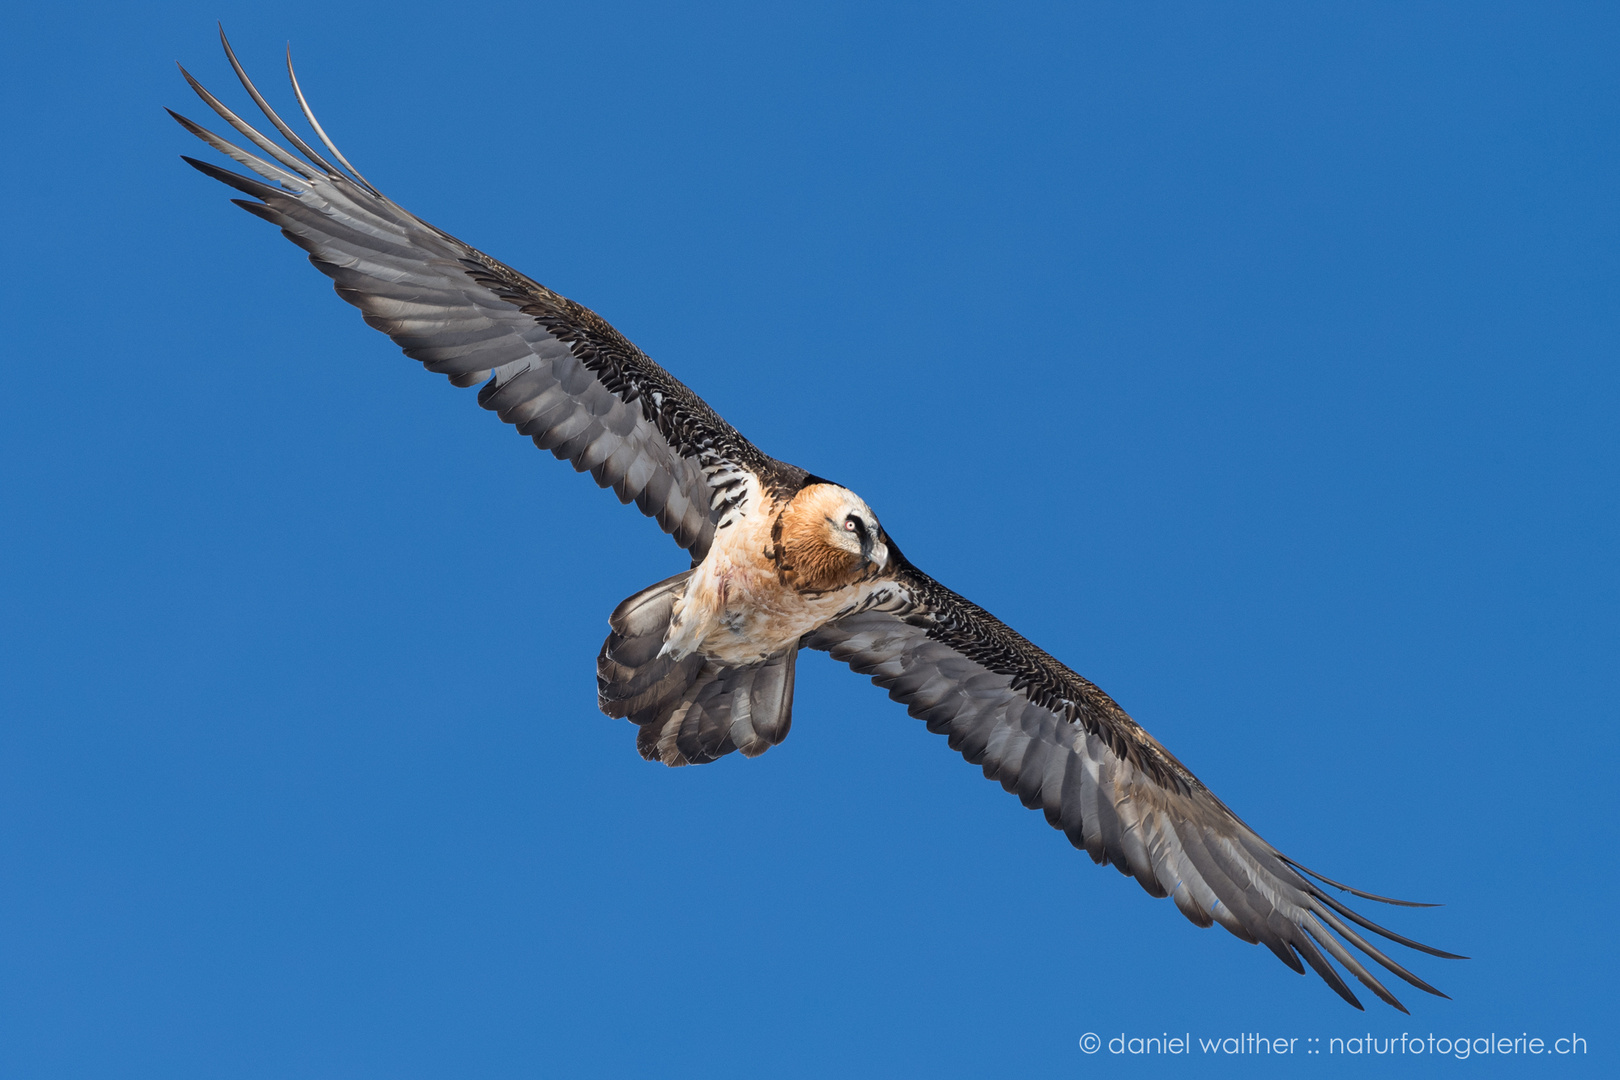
(774, 573)
(718, 662)
(703, 662)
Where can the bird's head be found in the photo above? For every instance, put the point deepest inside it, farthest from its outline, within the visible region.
(830, 537)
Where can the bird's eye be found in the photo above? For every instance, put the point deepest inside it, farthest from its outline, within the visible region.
(849, 524)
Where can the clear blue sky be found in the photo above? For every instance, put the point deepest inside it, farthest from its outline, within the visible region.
(1260, 363)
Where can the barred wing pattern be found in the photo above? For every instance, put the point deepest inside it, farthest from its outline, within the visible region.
(1064, 747)
(551, 367)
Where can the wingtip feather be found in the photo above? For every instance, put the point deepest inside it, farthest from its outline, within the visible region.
(1353, 891)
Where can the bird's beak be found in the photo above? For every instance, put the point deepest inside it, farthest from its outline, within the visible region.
(875, 552)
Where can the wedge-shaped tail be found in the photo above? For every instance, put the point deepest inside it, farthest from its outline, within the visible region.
(691, 710)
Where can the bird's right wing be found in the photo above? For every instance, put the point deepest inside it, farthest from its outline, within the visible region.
(551, 367)
(1064, 747)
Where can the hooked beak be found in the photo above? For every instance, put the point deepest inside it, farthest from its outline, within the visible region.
(874, 552)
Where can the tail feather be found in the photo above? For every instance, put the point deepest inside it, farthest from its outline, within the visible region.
(629, 667)
(723, 709)
(646, 615)
(690, 710)
(654, 685)
(769, 701)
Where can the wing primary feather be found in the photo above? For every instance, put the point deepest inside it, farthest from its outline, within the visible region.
(1373, 951)
(1366, 923)
(248, 131)
(320, 132)
(291, 181)
(1313, 956)
(246, 185)
(1353, 892)
(270, 114)
(1348, 959)
(259, 210)
(1283, 951)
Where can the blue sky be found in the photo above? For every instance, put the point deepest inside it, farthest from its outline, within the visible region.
(1260, 363)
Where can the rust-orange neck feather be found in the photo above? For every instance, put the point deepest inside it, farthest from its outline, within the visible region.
(807, 556)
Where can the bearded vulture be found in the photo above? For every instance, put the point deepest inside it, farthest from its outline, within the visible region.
(702, 663)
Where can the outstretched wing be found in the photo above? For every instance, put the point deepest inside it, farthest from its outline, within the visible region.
(550, 367)
(1063, 746)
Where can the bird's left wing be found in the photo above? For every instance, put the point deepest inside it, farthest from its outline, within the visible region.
(1064, 747)
(551, 367)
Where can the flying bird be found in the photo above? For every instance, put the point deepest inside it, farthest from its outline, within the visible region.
(702, 663)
